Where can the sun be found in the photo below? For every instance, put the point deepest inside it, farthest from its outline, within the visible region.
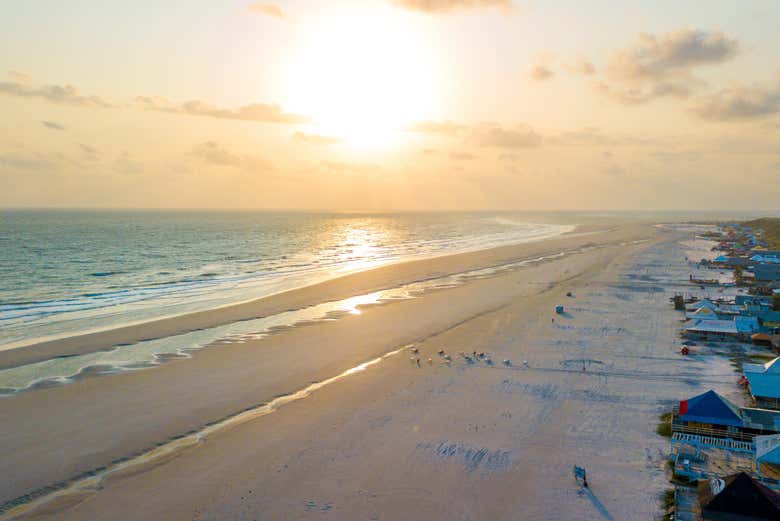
(362, 74)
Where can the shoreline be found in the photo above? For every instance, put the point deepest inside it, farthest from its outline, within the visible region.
(314, 279)
(95, 421)
(337, 288)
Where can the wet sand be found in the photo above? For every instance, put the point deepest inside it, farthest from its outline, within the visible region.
(351, 284)
(396, 440)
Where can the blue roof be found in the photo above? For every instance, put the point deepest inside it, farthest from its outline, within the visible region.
(764, 384)
(710, 408)
(747, 324)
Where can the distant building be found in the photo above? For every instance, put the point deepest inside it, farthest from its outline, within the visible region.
(764, 383)
(739, 329)
(767, 458)
(767, 272)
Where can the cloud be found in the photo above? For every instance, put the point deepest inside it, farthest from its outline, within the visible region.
(254, 112)
(594, 137)
(344, 167)
(51, 125)
(740, 103)
(19, 86)
(34, 161)
(267, 9)
(445, 6)
(315, 139)
(661, 66)
(212, 153)
(580, 66)
(89, 153)
(125, 164)
(498, 137)
(483, 135)
(540, 73)
(437, 127)
(462, 156)
(646, 93)
(19, 77)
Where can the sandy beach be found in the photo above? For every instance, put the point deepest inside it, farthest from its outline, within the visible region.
(454, 440)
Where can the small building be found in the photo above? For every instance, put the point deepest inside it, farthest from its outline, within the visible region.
(767, 272)
(709, 415)
(764, 383)
(706, 329)
(702, 304)
(737, 497)
(767, 458)
(703, 313)
(738, 329)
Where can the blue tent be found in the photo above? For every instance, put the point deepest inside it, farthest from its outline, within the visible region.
(710, 408)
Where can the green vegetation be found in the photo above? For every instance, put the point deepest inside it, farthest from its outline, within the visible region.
(771, 228)
(776, 301)
(738, 276)
(664, 427)
(668, 499)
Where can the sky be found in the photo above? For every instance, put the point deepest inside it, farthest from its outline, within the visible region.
(380, 105)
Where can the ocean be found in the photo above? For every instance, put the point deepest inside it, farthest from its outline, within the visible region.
(68, 272)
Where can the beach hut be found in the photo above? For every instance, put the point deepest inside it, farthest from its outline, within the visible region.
(703, 313)
(703, 304)
(768, 456)
(764, 383)
(738, 496)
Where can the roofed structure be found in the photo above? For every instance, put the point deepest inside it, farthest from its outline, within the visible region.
(710, 408)
(737, 497)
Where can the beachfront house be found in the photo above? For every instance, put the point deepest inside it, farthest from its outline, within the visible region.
(704, 313)
(739, 329)
(767, 272)
(710, 416)
(737, 497)
(767, 458)
(764, 383)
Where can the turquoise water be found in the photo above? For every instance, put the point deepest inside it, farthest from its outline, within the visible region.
(68, 272)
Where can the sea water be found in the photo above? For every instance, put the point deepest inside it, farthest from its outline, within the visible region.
(64, 273)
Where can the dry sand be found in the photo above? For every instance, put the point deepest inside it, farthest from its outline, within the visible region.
(397, 441)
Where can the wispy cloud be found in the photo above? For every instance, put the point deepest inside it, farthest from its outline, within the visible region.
(437, 127)
(315, 139)
(662, 66)
(445, 6)
(20, 86)
(213, 153)
(26, 161)
(266, 113)
(51, 125)
(540, 73)
(462, 156)
(89, 153)
(740, 102)
(267, 9)
(125, 164)
(581, 66)
(499, 137)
